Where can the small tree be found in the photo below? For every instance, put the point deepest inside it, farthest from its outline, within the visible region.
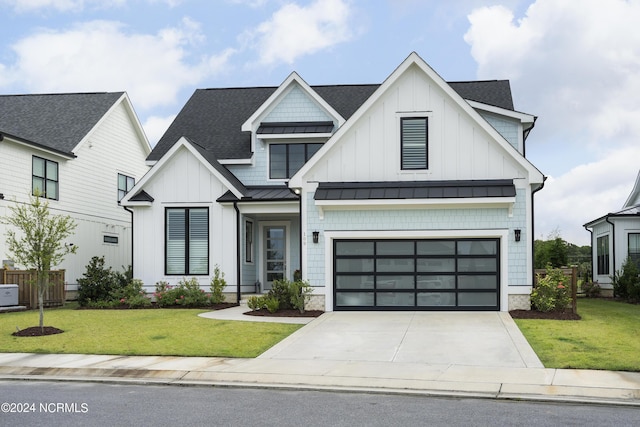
(40, 243)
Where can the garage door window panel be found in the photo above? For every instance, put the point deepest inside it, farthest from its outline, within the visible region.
(417, 273)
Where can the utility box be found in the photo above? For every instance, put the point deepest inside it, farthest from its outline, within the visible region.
(8, 295)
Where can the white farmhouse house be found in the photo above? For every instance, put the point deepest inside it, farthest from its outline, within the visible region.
(614, 237)
(413, 194)
(82, 152)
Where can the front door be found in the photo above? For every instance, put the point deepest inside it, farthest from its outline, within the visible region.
(275, 254)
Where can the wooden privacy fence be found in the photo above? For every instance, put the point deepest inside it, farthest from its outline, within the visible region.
(54, 295)
(572, 274)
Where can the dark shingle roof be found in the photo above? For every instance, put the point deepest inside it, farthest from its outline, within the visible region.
(54, 121)
(213, 117)
(492, 92)
(415, 190)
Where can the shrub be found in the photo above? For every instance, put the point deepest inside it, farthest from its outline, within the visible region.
(551, 292)
(591, 289)
(131, 295)
(255, 303)
(281, 290)
(300, 294)
(217, 286)
(271, 303)
(96, 283)
(626, 283)
(186, 293)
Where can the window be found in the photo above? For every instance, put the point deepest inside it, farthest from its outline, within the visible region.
(286, 159)
(125, 184)
(248, 241)
(413, 136)
(603, 254)
(110, 239)
(634, 247)
(45, 178)
(187, 241)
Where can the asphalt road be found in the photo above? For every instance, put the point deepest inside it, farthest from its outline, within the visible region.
(35, 403)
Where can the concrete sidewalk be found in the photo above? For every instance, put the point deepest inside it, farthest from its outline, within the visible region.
(325, 355)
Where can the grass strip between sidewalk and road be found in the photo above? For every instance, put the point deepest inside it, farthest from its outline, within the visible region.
(157, 332)
(606, 338)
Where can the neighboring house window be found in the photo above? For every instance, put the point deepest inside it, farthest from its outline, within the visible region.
(603, 254)
(634, 247)
(286, 159)
(45, 178)
(125, 184)
(414, 139)
(110, 239)
(187, 241)
(248, 241)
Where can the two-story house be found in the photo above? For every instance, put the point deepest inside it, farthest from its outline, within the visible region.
(413, 194)
(82, 152)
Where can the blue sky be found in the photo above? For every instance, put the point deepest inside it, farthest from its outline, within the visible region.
(574, 64)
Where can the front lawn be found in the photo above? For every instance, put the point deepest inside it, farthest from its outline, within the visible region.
(162, 332)
(606, 338)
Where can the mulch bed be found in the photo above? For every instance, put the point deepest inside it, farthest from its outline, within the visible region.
(35, 331)
(551, 315)
(285, 313)
(154, 306)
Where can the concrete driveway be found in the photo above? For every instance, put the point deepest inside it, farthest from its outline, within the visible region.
(486, 339)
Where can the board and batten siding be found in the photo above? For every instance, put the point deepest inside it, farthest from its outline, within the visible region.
(459, 148)
(183, 182)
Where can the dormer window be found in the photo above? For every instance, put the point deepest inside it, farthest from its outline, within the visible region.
(286, 159)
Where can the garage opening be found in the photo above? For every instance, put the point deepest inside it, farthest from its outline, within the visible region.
(425, 274)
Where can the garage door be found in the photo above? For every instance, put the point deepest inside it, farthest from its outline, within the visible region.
(425, 274)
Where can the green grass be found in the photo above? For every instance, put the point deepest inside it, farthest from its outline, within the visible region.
(607, 337)
(164, 332)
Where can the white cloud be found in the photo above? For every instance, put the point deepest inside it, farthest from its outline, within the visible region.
(103, 56)
(155, 127)
(294, 30)
(585, 193)
(576, 66)
(576, 63)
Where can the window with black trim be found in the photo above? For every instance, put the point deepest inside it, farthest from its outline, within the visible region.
(248, 241)
(286, 159)
(187, 241)
(602, 254)
(45, 178)
(634, 248)
(110, 239)
(414, 143)
(125, 184)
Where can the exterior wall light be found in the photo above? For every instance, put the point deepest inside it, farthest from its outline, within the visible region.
(517, 234)
(316, 236)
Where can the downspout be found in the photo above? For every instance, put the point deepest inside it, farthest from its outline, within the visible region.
(131, 212)
(525, 134)
(612, 249)
(300, 231)
(238, 254)
(591, 250)
(533, 251)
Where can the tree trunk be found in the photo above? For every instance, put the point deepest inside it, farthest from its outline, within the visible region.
(42, 285)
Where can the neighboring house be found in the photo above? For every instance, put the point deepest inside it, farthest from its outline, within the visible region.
(614, 237)
(82, 152)
(413, 194)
